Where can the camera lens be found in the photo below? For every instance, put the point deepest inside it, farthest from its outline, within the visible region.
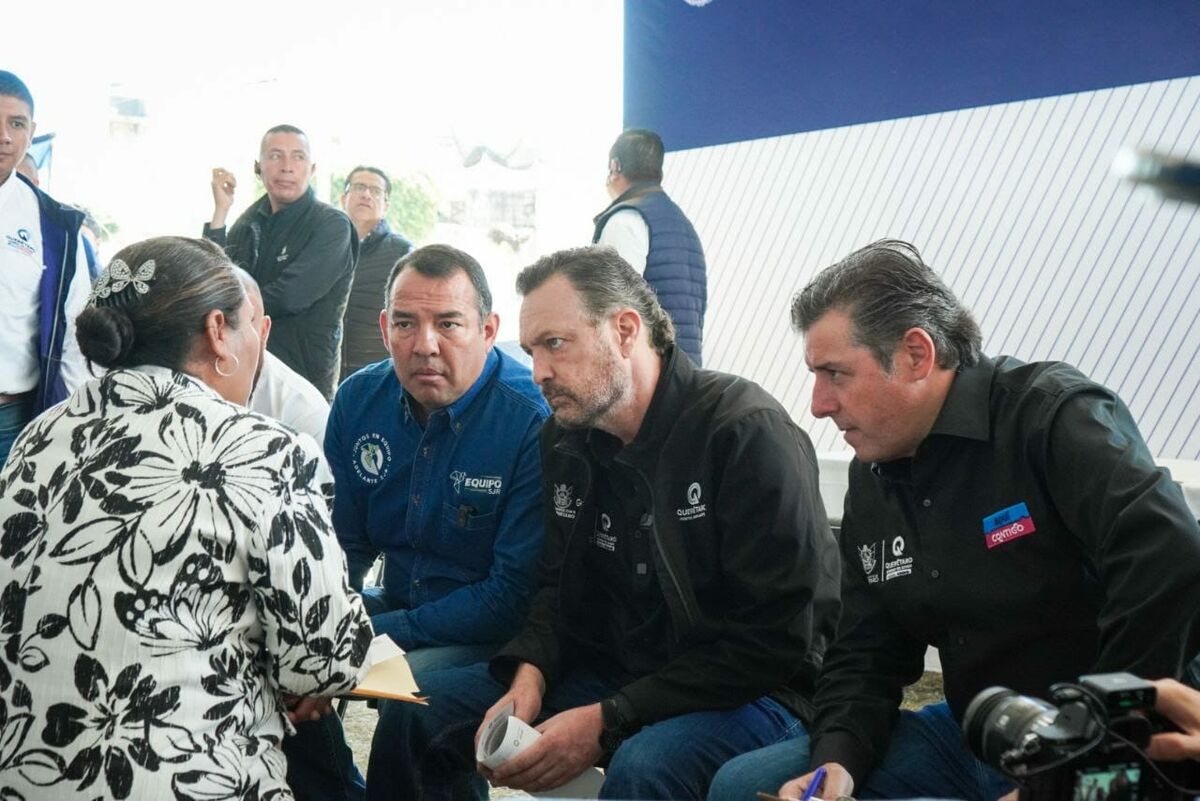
(998, 719)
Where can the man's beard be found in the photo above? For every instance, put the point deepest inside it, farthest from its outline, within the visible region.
(607, 386)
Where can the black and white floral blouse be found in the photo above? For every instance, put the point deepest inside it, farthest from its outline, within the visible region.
(167, 570)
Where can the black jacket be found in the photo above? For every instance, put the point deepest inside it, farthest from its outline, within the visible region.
(1031, 539)
(743, 551)
(362, 343)
(303, 258)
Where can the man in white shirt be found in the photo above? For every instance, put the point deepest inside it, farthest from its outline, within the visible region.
(44, 279)
(653, 234)
(279, 391)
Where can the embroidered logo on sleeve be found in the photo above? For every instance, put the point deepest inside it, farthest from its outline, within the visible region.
(1007, 525)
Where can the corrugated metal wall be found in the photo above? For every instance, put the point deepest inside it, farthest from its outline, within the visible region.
(1013, 204)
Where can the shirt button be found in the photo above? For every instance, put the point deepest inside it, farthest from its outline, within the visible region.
(458, 428)
(935, 573)
(416, 582)
(416, 500)
(425, 451)
(927, 503)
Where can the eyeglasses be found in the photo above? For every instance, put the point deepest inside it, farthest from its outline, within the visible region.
(366, 189)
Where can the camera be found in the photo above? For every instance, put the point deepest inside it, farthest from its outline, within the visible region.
(1086, 744)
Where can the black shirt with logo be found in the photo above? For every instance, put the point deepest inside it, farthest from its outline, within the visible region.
(634, 631)
(1031, 539)
(303, 258)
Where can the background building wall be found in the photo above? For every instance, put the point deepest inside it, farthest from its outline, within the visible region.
(985, 137)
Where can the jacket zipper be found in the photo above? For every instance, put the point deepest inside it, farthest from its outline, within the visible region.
(662, 555)
(58, 306)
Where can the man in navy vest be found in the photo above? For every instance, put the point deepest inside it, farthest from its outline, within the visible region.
(44, 274)
(653, 234)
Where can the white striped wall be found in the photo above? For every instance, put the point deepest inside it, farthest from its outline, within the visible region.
(1013, 204)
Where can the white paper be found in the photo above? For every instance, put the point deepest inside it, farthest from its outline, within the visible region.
(505, 736)
(382, 648)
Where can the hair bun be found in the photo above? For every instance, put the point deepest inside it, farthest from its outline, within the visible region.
(105, 335)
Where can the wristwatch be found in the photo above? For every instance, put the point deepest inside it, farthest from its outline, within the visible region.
(619, 723)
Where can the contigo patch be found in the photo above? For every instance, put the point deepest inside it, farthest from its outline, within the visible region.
(1007, 525)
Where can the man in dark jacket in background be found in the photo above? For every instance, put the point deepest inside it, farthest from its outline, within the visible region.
(654, 235)
(300, 250)
(689, 580)
(365, 200)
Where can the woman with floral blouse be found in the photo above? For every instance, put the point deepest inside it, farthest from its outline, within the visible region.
(168, 570)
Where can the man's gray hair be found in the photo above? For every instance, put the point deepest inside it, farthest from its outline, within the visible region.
(605, 282)
(886, 289)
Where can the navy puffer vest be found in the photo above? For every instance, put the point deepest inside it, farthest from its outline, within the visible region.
(675, 264)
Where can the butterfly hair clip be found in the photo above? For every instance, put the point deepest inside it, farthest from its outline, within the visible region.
(117, 275)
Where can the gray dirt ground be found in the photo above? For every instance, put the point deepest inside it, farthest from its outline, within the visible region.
(360, 722)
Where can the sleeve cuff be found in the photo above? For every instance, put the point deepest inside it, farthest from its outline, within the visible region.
(843, 748)
(395, 625)
(215, 234)
(503, 666)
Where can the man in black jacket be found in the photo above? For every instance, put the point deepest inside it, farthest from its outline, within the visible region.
(301, 251)
(365, 200)
(1008, 514)
(688, 584)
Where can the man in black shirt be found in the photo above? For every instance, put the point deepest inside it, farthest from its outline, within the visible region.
(301, 251)
(1008, 514)
(686, 549)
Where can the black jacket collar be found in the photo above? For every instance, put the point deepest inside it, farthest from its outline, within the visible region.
(262, 207)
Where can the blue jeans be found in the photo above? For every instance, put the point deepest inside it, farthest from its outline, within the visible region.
(320, 763)
(926, 758)
(426, 753)
(13, 419)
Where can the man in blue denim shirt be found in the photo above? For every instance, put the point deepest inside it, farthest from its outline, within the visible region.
(435, 452)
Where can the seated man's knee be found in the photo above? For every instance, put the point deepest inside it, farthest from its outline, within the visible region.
(763, 770)
(645, 768)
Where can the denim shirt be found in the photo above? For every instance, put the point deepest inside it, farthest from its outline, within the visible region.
(454, 506)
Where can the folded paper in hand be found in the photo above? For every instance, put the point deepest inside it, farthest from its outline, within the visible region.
(389, 676)
(505, 736)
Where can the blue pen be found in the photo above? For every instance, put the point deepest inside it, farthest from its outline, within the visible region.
(818, 777)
